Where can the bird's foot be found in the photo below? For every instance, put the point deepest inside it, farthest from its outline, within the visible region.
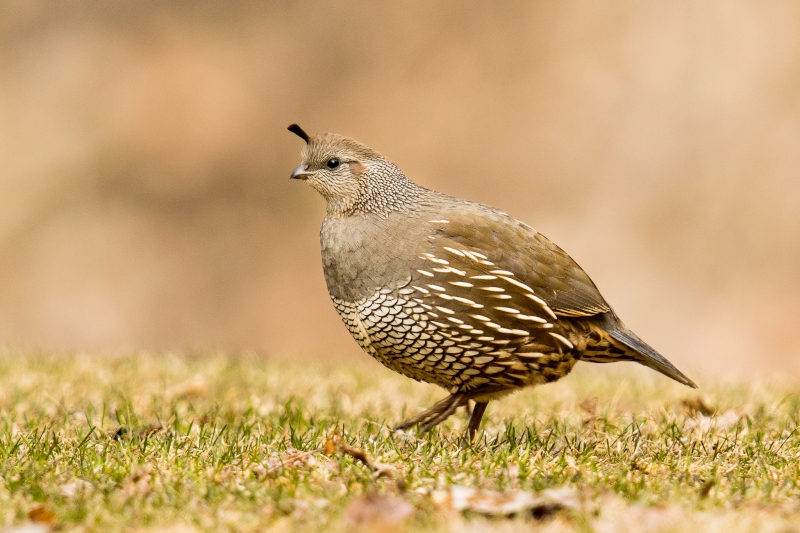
(442, 410)
(437, 414)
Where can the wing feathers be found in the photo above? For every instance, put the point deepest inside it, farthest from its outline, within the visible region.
(535, 261)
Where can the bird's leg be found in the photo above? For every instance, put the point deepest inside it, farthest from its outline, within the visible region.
(444, 415)
(475, 421)
(436, 414)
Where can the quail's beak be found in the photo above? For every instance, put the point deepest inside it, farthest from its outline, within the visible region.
(300, 173)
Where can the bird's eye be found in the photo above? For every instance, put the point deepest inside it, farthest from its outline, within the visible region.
(333, 162)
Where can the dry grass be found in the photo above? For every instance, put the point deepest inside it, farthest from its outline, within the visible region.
(208, 442)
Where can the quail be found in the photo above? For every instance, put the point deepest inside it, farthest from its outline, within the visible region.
(452, 292)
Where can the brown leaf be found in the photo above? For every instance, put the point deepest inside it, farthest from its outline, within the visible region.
(589, 406)
(194, 387)
(705, 488)
(142, 432)
(375, 511)
(335, 443)
(590, 409)
(356, 453)
(338, 443)
(493, 503)
(42, 515)
(696, 405)
(330, 448)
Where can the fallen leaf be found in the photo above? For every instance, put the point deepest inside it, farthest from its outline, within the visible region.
(330, 447)
(196, 386)
(374, 511)
(493, 503)
(356, 453)
(589, 406)
(42, 515)
(337, 443)
(705, 488)
(142, 432)
(696, 405)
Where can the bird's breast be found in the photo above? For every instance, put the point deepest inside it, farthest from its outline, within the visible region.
(362, 254)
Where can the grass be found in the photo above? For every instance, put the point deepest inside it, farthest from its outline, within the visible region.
(214, 443)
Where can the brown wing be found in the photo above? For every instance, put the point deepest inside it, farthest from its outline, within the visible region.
(495, 330)
(535, 261)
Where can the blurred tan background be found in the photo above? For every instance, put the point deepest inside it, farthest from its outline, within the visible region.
(144, 161)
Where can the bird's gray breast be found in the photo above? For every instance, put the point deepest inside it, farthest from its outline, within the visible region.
(366, 253)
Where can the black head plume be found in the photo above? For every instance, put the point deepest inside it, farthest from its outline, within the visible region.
(297, 130)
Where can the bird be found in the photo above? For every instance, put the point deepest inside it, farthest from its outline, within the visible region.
(453, 292)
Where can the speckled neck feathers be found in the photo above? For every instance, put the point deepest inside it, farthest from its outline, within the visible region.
(384, 189)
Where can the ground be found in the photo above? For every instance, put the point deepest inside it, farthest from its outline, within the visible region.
(215, 442)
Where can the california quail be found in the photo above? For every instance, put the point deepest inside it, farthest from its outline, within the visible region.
(453, 292)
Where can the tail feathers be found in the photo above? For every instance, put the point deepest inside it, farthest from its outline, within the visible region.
(648, 356)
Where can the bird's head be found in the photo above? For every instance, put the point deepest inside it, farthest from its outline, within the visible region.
(349, 175)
